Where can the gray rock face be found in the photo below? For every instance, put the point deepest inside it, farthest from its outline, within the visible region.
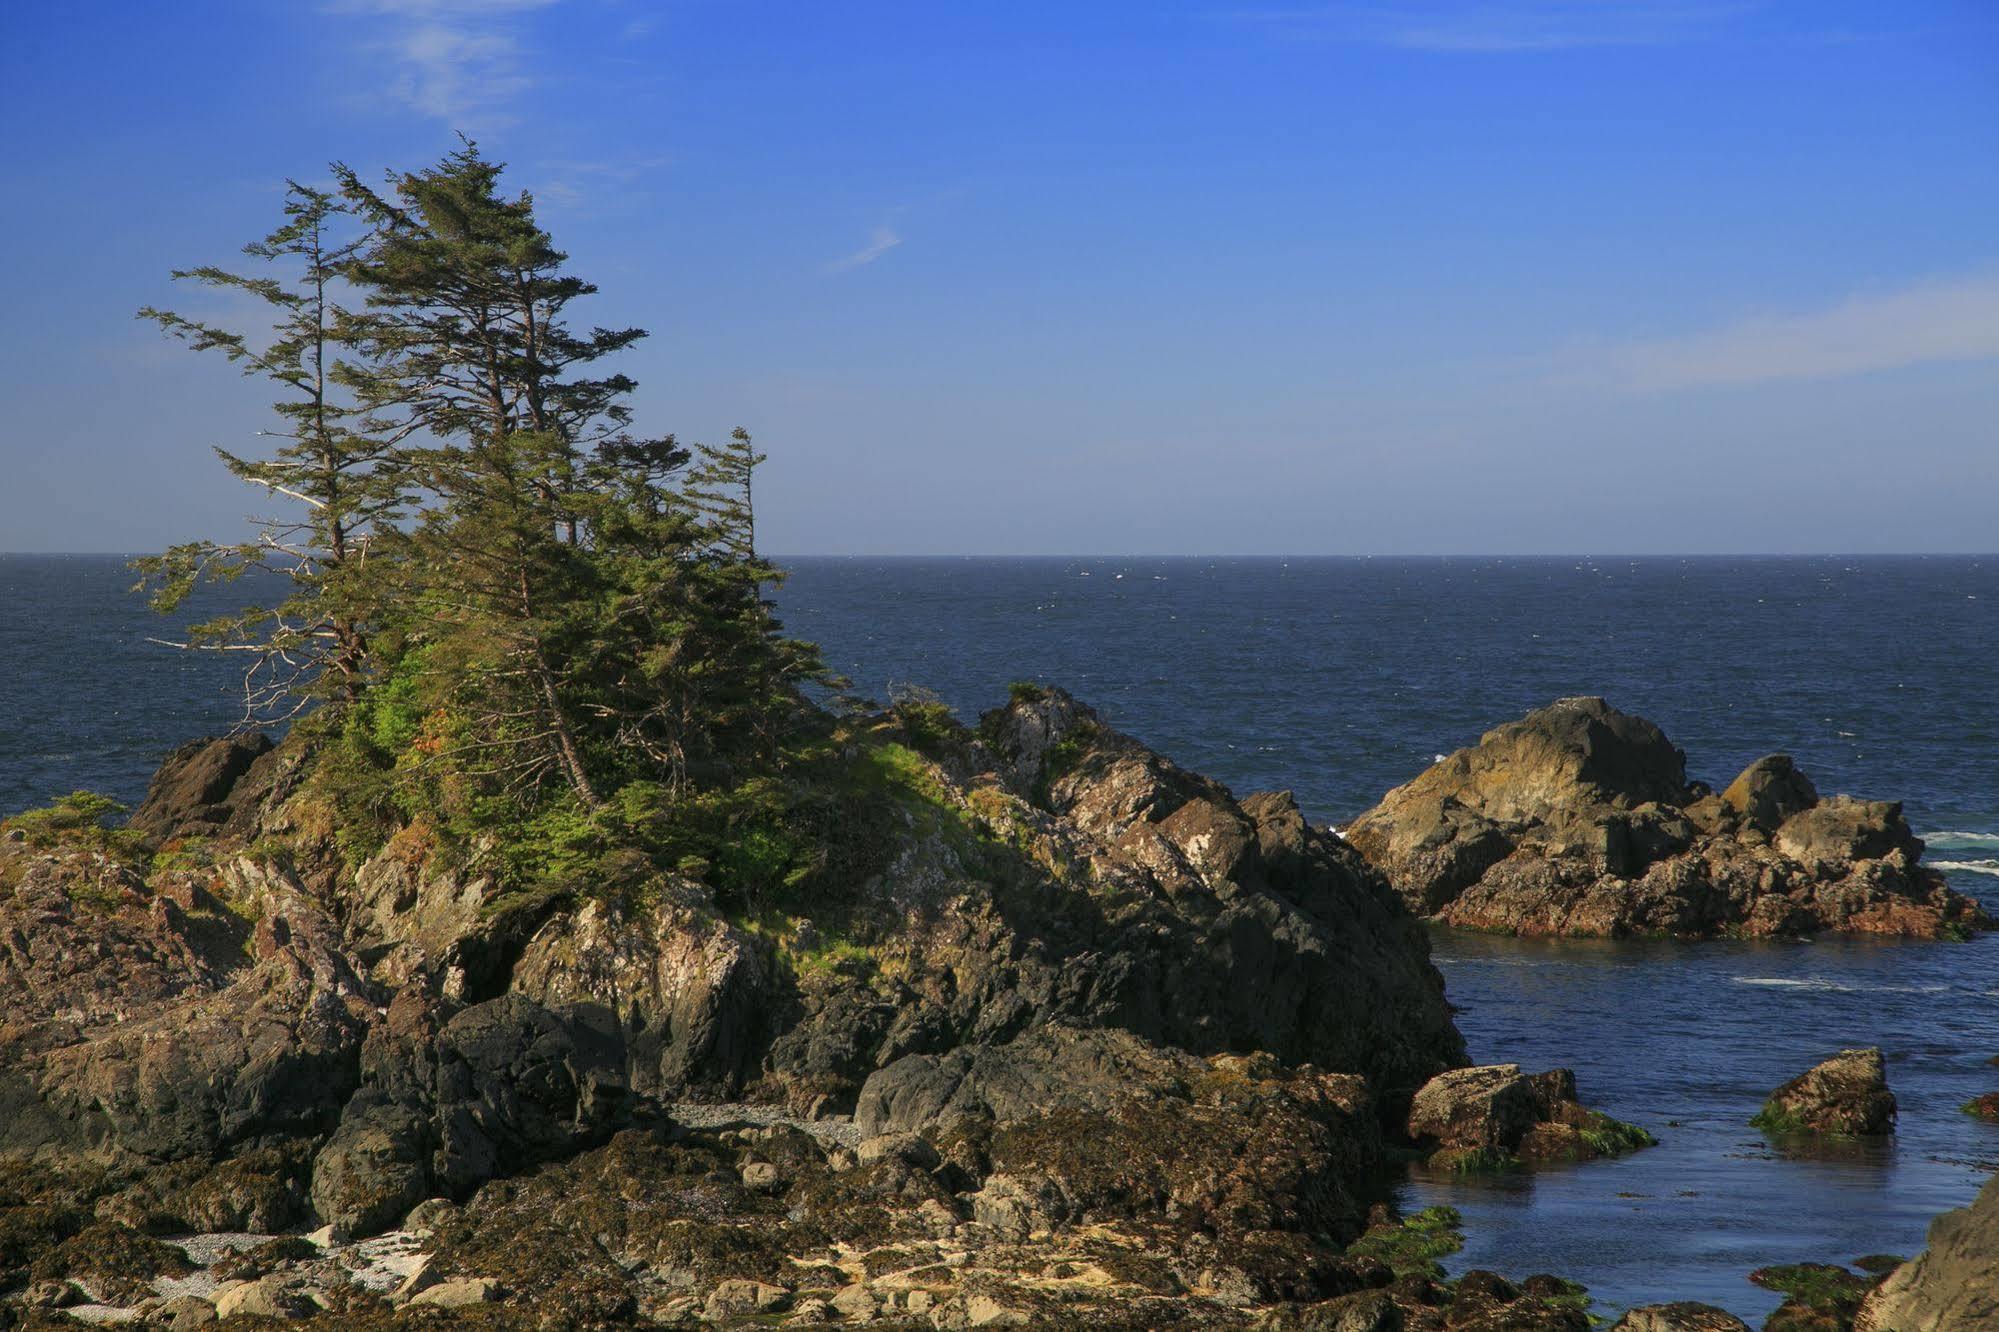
(374, 1168)
(271, 1051)
(1846, 1095)
(687, 987)
(1047, 1069)
(1953, 1285)
(1578, 820)
(1685, 1316)
(195, 788)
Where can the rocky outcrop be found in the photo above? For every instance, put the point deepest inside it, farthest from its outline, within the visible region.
(238, 1053)
(1494, 1116)
(1847, 1096)
(1075, 1036)
(686, 986)
(1579, 819)
(1083, 1039)
(201, 787)
(1047, 872)
(1953, 1285)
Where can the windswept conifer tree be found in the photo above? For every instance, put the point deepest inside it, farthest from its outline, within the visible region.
(332, 486)
(562, 644)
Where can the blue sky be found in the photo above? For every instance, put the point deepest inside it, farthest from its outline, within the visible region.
(1212, 277)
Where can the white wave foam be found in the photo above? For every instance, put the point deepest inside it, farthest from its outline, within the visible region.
(1820, 983)
(1968, 866)
(1947, 836)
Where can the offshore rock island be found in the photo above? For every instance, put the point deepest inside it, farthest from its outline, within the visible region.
(1579, 820)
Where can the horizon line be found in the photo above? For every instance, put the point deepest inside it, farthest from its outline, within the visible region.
(1251, 555)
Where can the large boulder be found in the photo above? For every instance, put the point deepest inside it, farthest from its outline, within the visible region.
(1578, 820)
(1495, 1115)
(1953, 1285)
(519, 1083)
(1769, 791)
(195, 790)
(1846, 1095)
(375, 1167)
(687, 987)
(1474, 1109)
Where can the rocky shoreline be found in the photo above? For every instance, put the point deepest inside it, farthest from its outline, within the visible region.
(1084, 1041)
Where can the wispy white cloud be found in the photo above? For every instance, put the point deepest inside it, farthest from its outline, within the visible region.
(574, 182)
(880, 242)
(1941, 321)
(457, 60)
(1492, 26)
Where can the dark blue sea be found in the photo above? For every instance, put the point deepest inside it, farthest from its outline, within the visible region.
(1339, 678)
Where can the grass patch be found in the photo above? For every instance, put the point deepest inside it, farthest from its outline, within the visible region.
(79, 819)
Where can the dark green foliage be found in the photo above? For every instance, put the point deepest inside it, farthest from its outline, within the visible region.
(1879, 1264)
(931, 726)
(547, 640)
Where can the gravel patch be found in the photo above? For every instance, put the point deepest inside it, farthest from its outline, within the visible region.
(838, 1130)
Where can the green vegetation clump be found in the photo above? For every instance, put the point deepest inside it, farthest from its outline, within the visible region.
(516, 635)
(1613, 1137)
(79, 819)
(1879, 1264)
(1474, 1160)
(1817, 1295)
(1414, 1246)
(928, 722)
(1775, 1120)
(1065, 754)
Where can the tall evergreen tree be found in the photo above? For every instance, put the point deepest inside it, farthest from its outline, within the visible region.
(333, 481)
(561, 626)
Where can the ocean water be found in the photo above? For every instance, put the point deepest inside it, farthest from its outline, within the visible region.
(1338, 679)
